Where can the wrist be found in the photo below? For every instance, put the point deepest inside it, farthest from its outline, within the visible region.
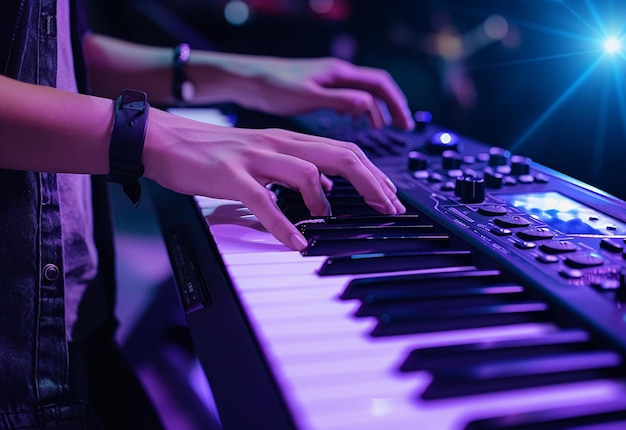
(127, 141)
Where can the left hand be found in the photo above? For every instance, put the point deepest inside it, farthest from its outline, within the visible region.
(293, 86)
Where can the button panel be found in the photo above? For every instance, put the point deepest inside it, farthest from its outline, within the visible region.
(466, 182)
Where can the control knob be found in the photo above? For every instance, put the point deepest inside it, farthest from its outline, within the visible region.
(498, 156)
(422, 119)
(417, 161)
(520, 165)
(451, 160)
(493, 179)
(470, 189)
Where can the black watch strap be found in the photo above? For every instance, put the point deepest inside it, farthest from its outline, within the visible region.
(182, 88)
(127, 139)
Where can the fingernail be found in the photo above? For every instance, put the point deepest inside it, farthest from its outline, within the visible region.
(298, 241)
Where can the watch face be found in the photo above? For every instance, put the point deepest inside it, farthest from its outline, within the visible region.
(187, 91)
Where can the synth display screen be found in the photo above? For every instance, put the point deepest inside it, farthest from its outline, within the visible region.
(564, 214)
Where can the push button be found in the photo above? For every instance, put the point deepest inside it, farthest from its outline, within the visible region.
(584, 259)
(537, 233)
(571, 273)
(51, 272)
(525, 245)
(511, 221)
(448, 186)
(547, 258)
(501, 231)
(509, 180)
(611, 245)
(435, 177)
(492, 210)
(557, 247)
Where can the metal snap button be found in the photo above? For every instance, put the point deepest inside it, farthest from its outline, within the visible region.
(51, 272)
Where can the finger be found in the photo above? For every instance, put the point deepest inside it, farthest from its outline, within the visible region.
(352, 102)
(297, 174)
(327, 183)
(256, 198)
(347, 160)
(380, 85)
(331, 163)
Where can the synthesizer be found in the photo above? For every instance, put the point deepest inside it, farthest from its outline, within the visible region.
(496, 302)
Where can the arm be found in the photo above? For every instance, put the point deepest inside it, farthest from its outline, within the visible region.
(44, 129)
(273, 85)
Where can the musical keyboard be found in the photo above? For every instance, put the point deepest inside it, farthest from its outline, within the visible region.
(494, 303)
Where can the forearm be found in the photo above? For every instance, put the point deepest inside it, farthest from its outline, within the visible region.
(115, 64)
(44, 129)
(270, 84)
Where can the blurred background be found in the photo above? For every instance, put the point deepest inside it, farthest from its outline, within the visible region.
(543, 78)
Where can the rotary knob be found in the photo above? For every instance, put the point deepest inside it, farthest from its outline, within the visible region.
(451, 160)
(422, 119)
(417, 161)
(520, 165)
(470, 189)
(498, 156)
(493, 179)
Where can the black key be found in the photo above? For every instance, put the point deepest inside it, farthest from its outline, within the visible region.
(482, 352)
(605, 416)
(346, 231)
(391, 262)
(460, 318)
(366, 244)
(297, 213)
(441, 299)
(350, 226)
(406, 284)
(525, 373)
(375, 220)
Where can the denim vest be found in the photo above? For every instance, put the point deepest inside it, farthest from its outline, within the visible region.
(33, 347)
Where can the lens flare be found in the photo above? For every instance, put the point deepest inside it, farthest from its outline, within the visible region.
(612, 45)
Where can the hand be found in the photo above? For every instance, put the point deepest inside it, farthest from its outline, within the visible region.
(234, 163)
(294, 86)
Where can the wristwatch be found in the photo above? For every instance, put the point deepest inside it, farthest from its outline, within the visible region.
(184, 90)
(127, 140)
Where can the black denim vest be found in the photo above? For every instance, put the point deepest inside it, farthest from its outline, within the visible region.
(33, 348)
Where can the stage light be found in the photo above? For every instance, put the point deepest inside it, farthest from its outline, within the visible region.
(236, 12)
(612, 45)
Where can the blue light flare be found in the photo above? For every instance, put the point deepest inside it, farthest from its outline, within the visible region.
(612, 45)
(599, 41)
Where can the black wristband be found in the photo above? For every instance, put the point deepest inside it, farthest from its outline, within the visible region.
(127, 139)
(182, 88)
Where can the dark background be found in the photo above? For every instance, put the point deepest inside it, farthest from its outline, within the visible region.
(534, 90)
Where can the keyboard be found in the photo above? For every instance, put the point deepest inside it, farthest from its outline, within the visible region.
(496, 302)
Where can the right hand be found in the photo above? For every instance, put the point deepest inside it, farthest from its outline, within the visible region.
(195, 158)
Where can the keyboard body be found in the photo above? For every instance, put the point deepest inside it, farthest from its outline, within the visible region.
(497, 304)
